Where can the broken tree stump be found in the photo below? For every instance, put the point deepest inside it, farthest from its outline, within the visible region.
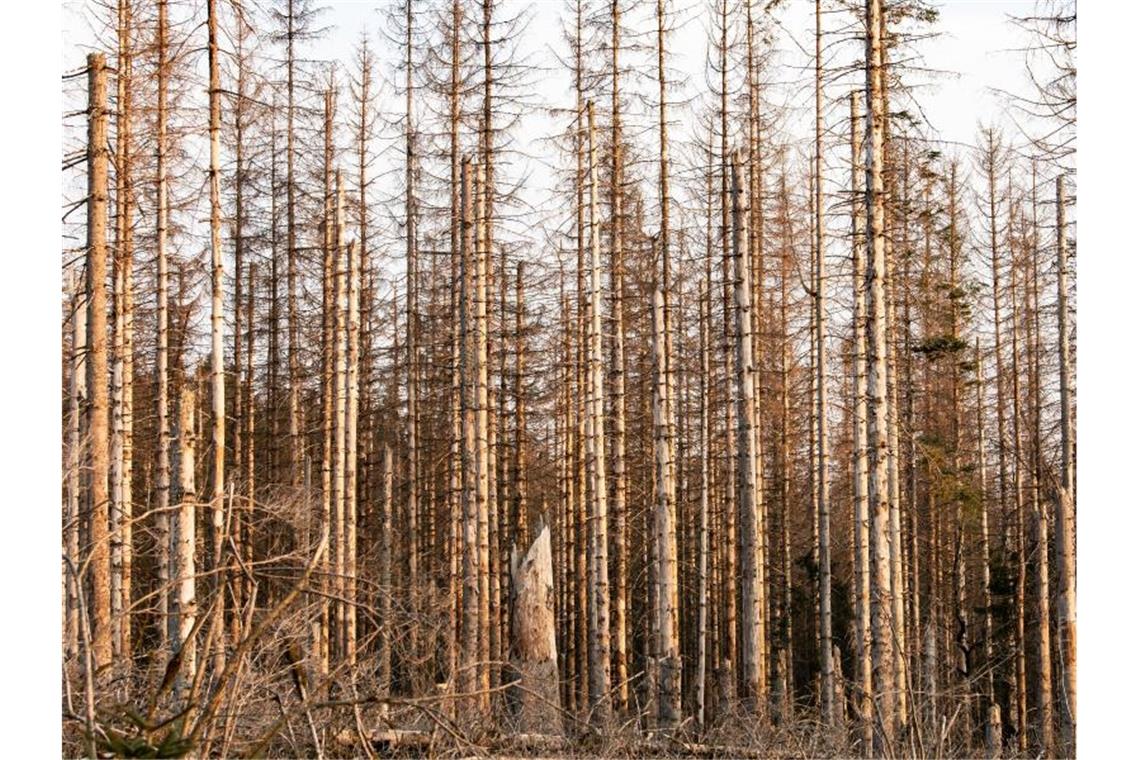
(534, 656)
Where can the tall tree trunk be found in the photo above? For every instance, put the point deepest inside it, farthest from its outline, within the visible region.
(386, 588)
(823, 506)
(340, 420)
(1065, 520)
(162, 329)
(185, 533)
(295, 428)
(748, 478)
(122, 372)
(320, 635)
(217, 318)
(859, 443)
(76, 461)
(617, 373)
(352, 393)
(596, 458)
(665, 625)
(882, 639)
(703, 517)
(411, 344)
(97, 416)
(482, 451)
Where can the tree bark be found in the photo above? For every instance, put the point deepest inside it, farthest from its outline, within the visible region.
(1065, 520)
(217, 357)
(882, 641)
(97, 415)
(665, 624)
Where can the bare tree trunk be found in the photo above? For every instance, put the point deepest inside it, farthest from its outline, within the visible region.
(482, 451)
(76, 460)
(519, 521)
(295, 441)
(458, 287)
(988, 625)
(411, 344)
(823, 506)
(122, 372)
(859, 445)
(352, 379)
(470, 672)
(882, 640)
(596, 458)
(1019, 518)
(162, 315)
(185, 533)
(533, 636)
(320, 634)
(1045, 727)
(340, 421)
(97, 417)
(1065, 520)
(666, 629)
(748, 479)
(617, 372)
(386, 587)
(217, 318)
(703, 519)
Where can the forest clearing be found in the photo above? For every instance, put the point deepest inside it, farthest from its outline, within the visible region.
(596, 378)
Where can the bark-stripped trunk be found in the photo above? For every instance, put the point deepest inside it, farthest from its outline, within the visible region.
(882, 627)
(76, 503)
(411, 343)
(533, 633)
(340, 421)
(993, 737)
(185, 534)
(97, 416)
(352, 394)
(320, 627)
(749, 485)
(666, 629)
(823, 505)
(703, 516)
(458, 286)
(472, 665)
(122, 372)
(595, 459)
(482, 462)
(217, 368)
(861, 539)
(1040, 525)
(162, 328)
(386, 588)
(1065, 520)
(617, 373)
(295, 440)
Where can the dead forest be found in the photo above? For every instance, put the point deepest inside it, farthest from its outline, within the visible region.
(441, 399)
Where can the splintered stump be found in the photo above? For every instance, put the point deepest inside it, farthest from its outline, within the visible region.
(534, 658)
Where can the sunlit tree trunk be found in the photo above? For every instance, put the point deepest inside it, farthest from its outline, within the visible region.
(162, 329)
(665, 625)
(217, 366)
(860, 485)
(185, 533)
(1065, 520)
(97, 414)
(748, 480)
(823, 506)
(596, 457)
(882, 629)
(617, 372)
(77, 401)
